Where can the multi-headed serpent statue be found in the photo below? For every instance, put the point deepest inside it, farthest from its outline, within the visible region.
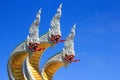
(25, 59)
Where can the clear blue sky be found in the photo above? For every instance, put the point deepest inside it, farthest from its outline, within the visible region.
(97, 40)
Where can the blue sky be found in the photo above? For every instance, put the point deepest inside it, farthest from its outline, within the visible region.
(97, 40)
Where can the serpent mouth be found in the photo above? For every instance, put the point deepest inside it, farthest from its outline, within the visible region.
(70, 58)
(34, 47)
(55, 38)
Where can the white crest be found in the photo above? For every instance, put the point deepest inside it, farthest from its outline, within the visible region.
(55, 23)
(33, 36)
(69, 44)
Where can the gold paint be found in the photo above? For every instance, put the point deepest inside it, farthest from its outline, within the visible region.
(51, 69)
(34, 60)
(16, 65)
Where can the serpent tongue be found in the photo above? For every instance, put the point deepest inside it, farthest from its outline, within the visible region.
(61, 40)
(75, 60)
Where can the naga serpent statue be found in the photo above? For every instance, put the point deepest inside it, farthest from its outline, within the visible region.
(24, 61)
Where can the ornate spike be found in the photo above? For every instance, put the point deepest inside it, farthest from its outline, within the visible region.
(71, 36)
(68, 51)
(59, 10)
(33, 36)
(55, 23)
(38, 14)
(69, 45)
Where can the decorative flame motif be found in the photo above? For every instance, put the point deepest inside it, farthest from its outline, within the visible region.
(69, 45)
(55, 23)
(37, 45)
(54, 31)
(68, 51)
(33, 36)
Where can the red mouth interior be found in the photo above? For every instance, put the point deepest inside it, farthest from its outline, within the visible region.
(33, 47)
(70, 58)
(55, 38)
